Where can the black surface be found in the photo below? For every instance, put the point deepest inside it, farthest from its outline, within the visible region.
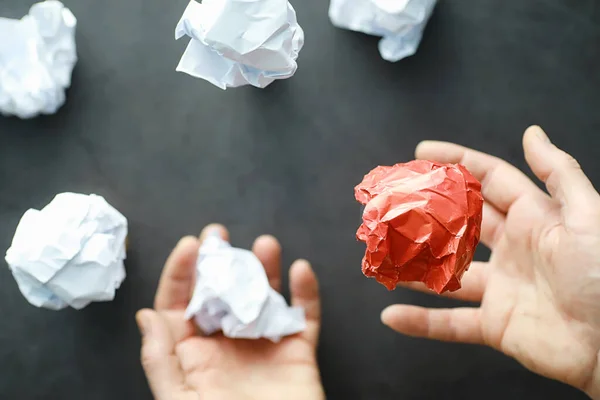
(173, 154)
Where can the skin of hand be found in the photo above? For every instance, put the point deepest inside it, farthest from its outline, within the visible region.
(539, 292)
(182, 364)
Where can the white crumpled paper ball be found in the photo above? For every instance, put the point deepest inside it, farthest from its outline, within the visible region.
(37, 57)
(240, 42)
(232, 294)
(70, 253)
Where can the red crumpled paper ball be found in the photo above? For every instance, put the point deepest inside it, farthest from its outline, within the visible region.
(421, 222)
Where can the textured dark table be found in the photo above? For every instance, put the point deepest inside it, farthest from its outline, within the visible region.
(173, 153)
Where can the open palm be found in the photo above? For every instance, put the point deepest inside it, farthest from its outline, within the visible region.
(540, 290)
(182, 364)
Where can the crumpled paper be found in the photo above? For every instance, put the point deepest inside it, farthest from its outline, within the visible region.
(421, 222)
(400, 23)
(69, 253)
(233, 295)
(240, 42)
(37, 57)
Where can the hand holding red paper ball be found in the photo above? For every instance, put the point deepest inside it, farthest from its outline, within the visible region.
(421, 222)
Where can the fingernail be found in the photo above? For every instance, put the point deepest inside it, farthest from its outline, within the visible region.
(212, 230)
(542, 135)
(384, 315)
(143, 323)
(304, 263)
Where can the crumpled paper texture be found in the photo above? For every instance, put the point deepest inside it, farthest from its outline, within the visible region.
(421, 222)
(37, 57)
(233, 295)
(240, 42)
(69, 253)
(400, 23)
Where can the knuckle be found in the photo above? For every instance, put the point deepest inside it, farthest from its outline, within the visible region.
(552, 182)
(569, 161)
(147, 359)
(491, 175)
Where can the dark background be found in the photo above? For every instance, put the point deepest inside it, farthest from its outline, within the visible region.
(173, 153)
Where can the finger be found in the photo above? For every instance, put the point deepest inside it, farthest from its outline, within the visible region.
(268, 250)
(472, 284)
(180, 327)
(177, 278)
(304, 289)
(158, 356)
(492, 225)
(502, 184)
(451, 325)
(178, 286)
(212, 229)
(561, 173)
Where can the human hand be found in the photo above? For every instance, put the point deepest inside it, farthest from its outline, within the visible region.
(181, 364)
(540, 289)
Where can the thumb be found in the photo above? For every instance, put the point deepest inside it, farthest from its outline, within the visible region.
(158, 355)
(561, 173)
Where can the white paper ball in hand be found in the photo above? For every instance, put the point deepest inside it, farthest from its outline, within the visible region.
(232, 294)
(70, 253)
